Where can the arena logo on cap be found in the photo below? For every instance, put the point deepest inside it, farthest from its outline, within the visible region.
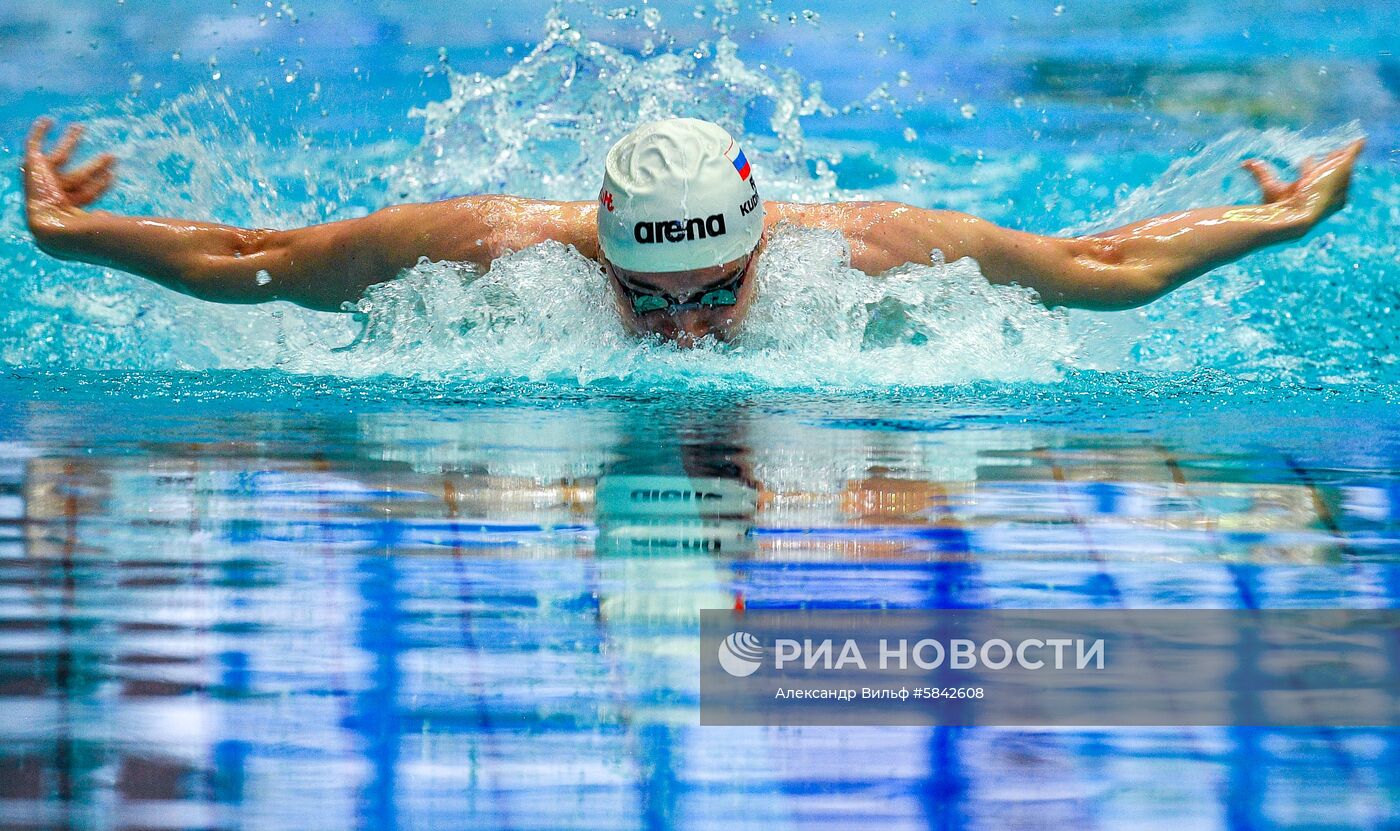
(677, 230)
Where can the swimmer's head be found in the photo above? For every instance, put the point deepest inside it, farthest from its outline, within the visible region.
(679, 217)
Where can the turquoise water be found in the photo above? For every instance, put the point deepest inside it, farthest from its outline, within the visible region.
(1048, 122)
(262, 567)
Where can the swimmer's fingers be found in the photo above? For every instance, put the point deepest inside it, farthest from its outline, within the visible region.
(63, 151)
(41, 183)
(1344, 158)
(38, 134)
(36, 164)
(92, 189)
(1274, 189)
(47, 187)
(1327, 182)
(101, 165)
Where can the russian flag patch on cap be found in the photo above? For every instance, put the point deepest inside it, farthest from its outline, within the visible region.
(741, 164)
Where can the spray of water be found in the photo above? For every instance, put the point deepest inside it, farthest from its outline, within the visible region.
(544, 314)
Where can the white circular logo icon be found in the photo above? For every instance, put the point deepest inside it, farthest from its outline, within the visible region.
(740, 654)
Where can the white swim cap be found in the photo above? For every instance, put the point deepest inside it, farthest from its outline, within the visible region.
(677, 195)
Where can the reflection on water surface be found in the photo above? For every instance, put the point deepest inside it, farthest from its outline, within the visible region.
(490, 617)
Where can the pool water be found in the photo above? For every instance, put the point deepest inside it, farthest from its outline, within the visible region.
(263, 567)
(225, 612)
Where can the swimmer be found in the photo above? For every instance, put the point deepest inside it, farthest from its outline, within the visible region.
(677, 231)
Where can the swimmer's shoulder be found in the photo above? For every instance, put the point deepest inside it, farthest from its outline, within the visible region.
(571, 223)
(881, 235)
(501, 223)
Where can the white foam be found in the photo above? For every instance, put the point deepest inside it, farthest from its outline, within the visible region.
(545, 313)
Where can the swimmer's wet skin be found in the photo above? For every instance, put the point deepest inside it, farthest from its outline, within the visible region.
(675, 229)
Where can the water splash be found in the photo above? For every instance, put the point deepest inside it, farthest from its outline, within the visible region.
(545, 314)
(1317, 312)
(542, 128)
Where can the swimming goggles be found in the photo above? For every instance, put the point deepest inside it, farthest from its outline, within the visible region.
(722, 294)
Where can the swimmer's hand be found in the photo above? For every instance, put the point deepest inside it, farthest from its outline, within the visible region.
(1320, 189)
(54, 194)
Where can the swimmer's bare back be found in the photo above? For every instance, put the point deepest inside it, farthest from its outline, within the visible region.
(325, 266)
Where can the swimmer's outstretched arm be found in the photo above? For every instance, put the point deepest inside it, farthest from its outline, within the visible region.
(321, 267)
(1118, 269)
